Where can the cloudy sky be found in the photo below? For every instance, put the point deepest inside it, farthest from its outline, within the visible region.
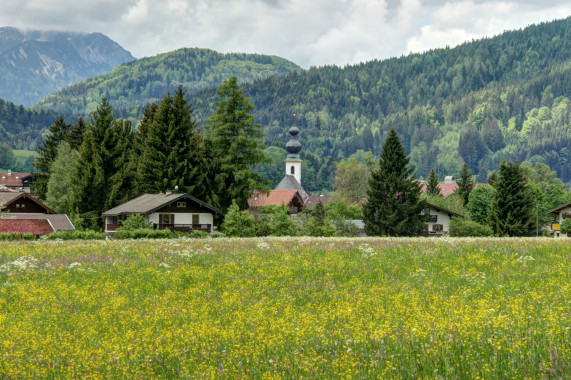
(308, 32)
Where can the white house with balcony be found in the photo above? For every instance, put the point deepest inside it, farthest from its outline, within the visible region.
(438, 221)
(176, 212)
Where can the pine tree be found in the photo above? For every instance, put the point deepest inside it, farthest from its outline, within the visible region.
(75, 136)
(465, 184)
(237, 145)
(432, 184)
(47, 153)
(95, 167)
(512, 209)
(58, 196)
(393, 205)
(171, 148)
(123, 181)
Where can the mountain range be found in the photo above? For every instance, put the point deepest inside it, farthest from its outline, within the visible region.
(502, 97)
(34, 64)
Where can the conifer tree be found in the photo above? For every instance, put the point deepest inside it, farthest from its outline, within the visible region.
(432, 184)
(47, 153)
(95, 166)
(171, 148)
(465, 184)
(237, 145)
(58, 196)
(122, 182)
(393, 205)
(512, 209)
(75, 136)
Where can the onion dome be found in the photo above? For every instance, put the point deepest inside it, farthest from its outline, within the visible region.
(293, 147)
(294, 131)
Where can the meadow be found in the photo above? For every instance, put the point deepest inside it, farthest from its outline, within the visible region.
(286, 307)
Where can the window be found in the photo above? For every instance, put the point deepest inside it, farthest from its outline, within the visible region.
(17, 205)
(166, 218)
(195, 219)
(292, 170)
(180, 204)
(437, 227)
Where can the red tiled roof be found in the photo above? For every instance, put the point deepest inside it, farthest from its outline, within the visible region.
(13, 179)
(445, 188)
(312, 200)
(275, 198)
(36, 227)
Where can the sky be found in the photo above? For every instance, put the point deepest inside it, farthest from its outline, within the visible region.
(307, 32)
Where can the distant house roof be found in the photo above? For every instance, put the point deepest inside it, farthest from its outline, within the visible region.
(5, 189)
(21, 226)
(8, 197)
(59, 222)
(274, 198)
(557, 209)
(445, 188)
(290, 183)
(148, 203)
(442, 209)
(13, 179)
(312, 200)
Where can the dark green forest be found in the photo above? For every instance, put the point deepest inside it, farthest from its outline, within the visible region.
(505, 96)
(21, 128)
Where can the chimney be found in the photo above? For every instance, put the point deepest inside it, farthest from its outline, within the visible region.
(9, 172)
(168, 192)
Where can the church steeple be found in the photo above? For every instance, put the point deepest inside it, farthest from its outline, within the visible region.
(293, 161)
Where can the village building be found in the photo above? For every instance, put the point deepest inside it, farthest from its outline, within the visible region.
(438, 220)
(18, 181)
(22, 213)
(560, 213)
(173, 211)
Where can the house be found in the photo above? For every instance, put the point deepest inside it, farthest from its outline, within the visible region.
(290, 198)
(23, 207)
(36, 227)
(176, 212)
(438, 222)
(18, 181)
(312, 200)
(560, 213)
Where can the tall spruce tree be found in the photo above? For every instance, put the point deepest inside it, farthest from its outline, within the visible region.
(465, 184)
(432, 184)
(95, 167)
(58, 196)
(393, 205)
(171, 148)
(47, 152)
(237, 143)
(512, 209)
(123, 181)
(75, 136)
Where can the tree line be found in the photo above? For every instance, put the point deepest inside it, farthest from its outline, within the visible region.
(100, 164)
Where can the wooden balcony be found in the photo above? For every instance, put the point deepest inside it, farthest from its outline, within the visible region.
(433, 218)
(111, 227)
(183, 227)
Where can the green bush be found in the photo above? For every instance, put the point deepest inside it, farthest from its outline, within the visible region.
(238, 223)
(145, 233)
(135, 222)
(10, 236)
(465, 227)
(76, 235)
(28, 236)
(566, 226)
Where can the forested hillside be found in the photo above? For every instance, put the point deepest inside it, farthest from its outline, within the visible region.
(21, 128)
(35, 63)
(131, 86)
(506, 96)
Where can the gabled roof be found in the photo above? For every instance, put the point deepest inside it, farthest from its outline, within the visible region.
(10, 197)
(274, 198)
(59, 222)
(290, 183)
(149, 203)
(557, 209)
(13, 179)
(445, 188)
(441, 209)
(20, 226)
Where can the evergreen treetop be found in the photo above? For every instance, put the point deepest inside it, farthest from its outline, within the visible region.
(432, 187)
(394, 205)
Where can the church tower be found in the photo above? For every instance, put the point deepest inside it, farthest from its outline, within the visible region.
(293, 161)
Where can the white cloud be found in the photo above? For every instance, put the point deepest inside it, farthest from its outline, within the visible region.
(308, 32)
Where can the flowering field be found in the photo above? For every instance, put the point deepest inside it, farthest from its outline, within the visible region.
(273, 308)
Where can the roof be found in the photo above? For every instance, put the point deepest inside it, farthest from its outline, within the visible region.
(4, 189)
(290, 183)
(148, 203)
(445, 188)
(442, 209)
(274, 198)
(557, 209)
(312, 200)
(13, 179)
(9, 197)
(21, 226)
(59, 222)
